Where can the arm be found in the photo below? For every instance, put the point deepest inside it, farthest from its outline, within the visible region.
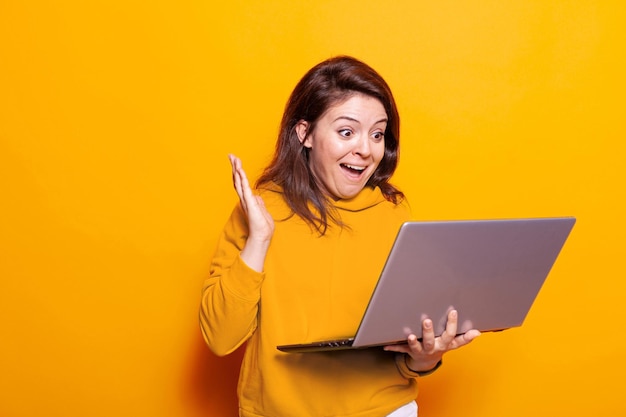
(231, 294)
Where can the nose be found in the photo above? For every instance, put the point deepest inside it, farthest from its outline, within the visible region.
(362, 146)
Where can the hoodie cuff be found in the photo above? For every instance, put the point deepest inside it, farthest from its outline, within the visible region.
(408, 373)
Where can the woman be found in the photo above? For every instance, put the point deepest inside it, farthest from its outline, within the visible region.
(298, 261)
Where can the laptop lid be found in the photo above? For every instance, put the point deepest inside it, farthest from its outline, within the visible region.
(490, 271)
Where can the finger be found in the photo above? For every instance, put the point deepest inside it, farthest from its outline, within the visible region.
(233, 165)
(397, 348)
(466, 338)
(449, 334)
(231, 159)
(245, 185)
(428, 336)
(238, 181)
(414, 345)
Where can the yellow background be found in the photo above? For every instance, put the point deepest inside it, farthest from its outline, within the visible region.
(115, 121)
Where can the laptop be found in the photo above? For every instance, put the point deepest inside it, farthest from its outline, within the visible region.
(490, 271)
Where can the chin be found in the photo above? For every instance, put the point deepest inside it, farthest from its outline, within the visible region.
(347, 195)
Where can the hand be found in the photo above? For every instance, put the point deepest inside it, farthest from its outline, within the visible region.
(260, 222)
(424, 355)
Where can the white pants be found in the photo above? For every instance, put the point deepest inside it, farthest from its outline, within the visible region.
(407, 410)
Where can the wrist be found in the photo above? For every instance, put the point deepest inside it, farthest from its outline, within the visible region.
(424, 368)
(254, 252)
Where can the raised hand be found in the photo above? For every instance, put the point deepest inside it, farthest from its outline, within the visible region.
(260, 222)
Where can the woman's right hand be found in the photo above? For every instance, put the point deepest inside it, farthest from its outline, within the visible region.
(260, 222)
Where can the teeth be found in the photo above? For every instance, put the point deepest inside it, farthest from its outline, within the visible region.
(356, 168)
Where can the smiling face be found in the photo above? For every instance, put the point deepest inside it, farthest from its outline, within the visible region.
(346, 145)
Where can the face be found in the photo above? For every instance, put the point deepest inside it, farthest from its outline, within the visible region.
(347, 144)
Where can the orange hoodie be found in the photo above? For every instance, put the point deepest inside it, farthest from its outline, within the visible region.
(312, 288)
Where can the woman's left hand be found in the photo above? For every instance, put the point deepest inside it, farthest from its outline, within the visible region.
(424, 355)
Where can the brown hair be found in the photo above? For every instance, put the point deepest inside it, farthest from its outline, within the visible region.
(323, 86)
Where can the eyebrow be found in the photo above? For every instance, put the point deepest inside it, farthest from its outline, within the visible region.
(385, 120)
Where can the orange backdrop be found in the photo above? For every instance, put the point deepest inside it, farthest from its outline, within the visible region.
(115, 121)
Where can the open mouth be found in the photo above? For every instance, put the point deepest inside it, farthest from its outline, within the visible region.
(353, 170)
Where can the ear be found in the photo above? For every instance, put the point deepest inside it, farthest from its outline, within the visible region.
(302, 129)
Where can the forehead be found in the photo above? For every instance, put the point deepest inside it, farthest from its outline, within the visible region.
(356, 104)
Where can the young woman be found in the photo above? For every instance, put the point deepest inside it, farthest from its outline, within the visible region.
(300, 256)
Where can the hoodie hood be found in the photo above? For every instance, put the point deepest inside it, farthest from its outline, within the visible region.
(366, 198)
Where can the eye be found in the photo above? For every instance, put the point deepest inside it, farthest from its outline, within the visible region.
(346, 133)
(378, 136)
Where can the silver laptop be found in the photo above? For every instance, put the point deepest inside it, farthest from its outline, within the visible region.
(490, 271)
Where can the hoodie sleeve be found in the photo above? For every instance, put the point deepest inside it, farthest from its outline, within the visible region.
(231, 293)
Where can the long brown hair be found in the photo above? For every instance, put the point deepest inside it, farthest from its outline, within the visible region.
(323, 86)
